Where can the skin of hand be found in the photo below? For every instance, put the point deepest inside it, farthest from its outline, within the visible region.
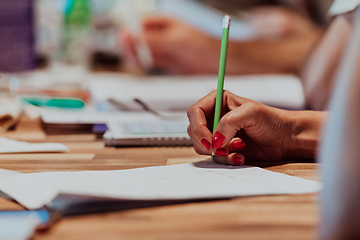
(253, 131)
(178, 48)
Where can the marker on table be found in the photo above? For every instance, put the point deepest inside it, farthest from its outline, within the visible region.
(222, 64)
(58, 102)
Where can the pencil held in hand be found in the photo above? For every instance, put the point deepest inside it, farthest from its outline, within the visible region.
(221, 76)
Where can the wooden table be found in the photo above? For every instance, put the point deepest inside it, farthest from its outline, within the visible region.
(261, 217)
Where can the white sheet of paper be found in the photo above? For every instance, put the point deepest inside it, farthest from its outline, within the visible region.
(7, 173)
(13, 146)
(201, 180)
(179, 93)
(18, 227)
(91, 116)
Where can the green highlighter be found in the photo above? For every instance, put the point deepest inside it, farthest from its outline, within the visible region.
(72, 103)
(221, 76)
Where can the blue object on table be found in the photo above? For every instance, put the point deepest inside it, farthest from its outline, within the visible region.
(42, 215)
(22, 224)
(100, 128)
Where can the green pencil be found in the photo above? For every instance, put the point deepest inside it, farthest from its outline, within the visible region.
(221, 76)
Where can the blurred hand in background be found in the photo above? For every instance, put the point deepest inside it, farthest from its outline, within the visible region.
(176, 47)
(283, 40)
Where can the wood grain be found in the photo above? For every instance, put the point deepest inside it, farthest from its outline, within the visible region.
(262, 217)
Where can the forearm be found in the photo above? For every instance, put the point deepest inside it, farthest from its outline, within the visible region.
(305, 131)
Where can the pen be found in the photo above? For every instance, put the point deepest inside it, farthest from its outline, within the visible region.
(222, 64)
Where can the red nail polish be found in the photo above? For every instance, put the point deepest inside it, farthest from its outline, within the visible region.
(238, 145)
(206, 144)
(237, 160)
(222, 152)
(218, 140)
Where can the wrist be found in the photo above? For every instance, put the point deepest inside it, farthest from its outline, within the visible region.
(305, 128)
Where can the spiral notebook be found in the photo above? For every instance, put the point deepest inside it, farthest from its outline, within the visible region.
(147, 133)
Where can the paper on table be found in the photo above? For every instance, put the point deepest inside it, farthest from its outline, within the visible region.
(91, 116)
(4, 174)
(201, 180)
(176, 93)
(18, 227)
(13, 146)
(7, 173)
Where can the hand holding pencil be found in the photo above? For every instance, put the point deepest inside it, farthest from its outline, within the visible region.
(247, 130)
(242, 128)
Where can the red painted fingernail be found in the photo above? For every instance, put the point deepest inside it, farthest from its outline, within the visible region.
(218, 140)
(238, 144)
(237, 160)
(206, 144)
(222, 152)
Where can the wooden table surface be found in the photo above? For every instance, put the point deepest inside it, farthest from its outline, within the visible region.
(261, 217)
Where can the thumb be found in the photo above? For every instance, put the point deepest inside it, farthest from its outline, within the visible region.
(232, 122)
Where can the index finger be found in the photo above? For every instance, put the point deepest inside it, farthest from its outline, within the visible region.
(200, 115)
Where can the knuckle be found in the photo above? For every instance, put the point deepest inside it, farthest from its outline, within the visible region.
(189, 130)
(229, 120)
(190, 111)
(255, 109)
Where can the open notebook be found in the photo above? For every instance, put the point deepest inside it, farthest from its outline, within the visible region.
(147, 133)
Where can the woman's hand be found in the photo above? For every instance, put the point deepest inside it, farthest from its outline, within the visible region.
(176, 47)
(252, 130)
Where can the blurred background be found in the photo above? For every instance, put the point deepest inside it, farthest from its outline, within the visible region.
(43, 33)
(105, 55)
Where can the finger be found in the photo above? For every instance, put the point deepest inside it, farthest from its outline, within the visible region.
(236, 159)
(200, 115)
(200, 150)
(236, 145)
(204, 148)
(241, 117)
(221, 152)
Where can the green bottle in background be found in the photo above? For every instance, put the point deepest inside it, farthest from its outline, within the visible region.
(77, 25)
